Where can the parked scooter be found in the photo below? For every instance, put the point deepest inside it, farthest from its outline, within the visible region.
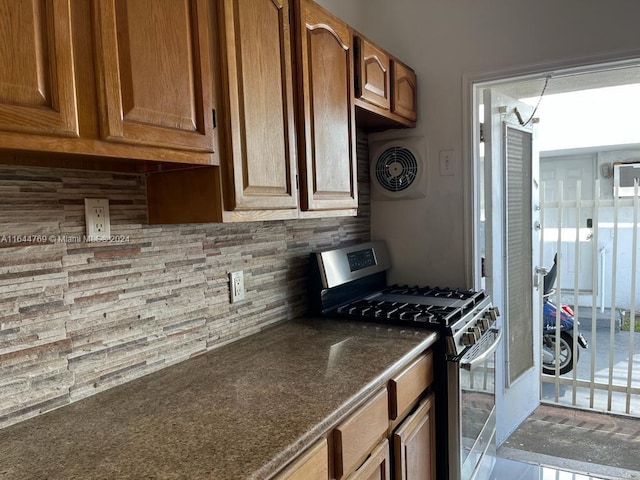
(564, 361)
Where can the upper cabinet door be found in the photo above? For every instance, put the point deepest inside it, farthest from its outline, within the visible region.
(37, 89)
(154, 72)
(373, 71)
(404, 91)
(327, 142)
(260, 125)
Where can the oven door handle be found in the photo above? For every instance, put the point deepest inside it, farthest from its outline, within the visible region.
(486, 354)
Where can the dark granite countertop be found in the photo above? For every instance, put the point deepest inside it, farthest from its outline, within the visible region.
(241, 411)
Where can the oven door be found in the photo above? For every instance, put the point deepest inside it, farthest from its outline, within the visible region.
(472, 427)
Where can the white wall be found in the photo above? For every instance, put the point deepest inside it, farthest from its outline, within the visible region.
(353, 12)
(443, 40)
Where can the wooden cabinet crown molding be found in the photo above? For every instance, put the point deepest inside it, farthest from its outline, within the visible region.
(37, 84)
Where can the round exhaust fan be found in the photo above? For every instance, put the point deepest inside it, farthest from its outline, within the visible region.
(396, 170)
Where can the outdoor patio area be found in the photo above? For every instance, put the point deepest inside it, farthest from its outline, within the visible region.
(602, 340)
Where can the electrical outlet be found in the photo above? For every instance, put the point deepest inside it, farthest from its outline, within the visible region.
(96, 211)
(236, 286)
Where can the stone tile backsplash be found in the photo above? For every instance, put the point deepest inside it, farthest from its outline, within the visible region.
(77, 318)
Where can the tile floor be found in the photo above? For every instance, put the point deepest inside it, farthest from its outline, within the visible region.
(605, 446)
(506, 469)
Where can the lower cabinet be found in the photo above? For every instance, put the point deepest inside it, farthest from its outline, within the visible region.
(311, 465)
(390, 436)
(414, 445)
(356, 437)
(377, 466)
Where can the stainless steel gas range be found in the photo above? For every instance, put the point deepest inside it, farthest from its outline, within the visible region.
(350, 282)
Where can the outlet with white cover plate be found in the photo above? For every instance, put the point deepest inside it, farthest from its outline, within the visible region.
(96, 211)
(236, 282)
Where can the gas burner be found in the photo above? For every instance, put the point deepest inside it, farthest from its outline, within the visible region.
(435, 292)
(402, 311)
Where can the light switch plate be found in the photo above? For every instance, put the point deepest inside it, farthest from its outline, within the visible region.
(96, 211)
(447, 162)
(236, 286)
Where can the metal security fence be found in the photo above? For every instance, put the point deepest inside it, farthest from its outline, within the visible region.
(596, 242)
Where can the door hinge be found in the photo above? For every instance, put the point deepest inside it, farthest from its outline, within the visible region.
(297, 182)
(213, 112)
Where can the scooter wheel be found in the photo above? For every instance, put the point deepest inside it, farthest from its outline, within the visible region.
(565, 365)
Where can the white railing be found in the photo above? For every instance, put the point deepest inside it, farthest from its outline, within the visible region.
(606, 377)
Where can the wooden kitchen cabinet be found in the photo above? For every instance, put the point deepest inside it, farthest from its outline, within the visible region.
(153, 66)
(311, 465)
(377, 466)
(327, 141)
(101, 85)
(257, 174)
(414, 445)
(373, 73)
(260, 162)
(404, 91)
(385, 88)
(279, 161)
(37, 85)
(355, 438)
(406, 387)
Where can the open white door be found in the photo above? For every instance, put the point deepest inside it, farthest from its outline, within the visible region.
(512, 248)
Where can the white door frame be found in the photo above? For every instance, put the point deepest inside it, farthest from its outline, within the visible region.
(471, 142)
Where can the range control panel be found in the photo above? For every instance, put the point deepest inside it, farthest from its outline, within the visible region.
(361, 259)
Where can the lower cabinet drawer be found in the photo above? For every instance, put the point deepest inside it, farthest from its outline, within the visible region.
(406, 387)
(359, 434)
(311, 465)
(377, 466)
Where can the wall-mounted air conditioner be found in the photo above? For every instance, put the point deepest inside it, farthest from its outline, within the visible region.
(624, 176)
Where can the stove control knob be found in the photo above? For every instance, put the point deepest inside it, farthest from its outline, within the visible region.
(471, 336)
(468, 339)
(483, 323)
(490, 315)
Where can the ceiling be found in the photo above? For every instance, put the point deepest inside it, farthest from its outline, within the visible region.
(572, 82)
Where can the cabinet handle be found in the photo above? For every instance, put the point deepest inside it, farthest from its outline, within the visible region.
(213, 112)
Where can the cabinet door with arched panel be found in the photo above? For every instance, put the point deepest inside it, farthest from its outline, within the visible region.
(404, 100)
(37, 87)
(373, 70)
(327, 116)
(259, 119)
